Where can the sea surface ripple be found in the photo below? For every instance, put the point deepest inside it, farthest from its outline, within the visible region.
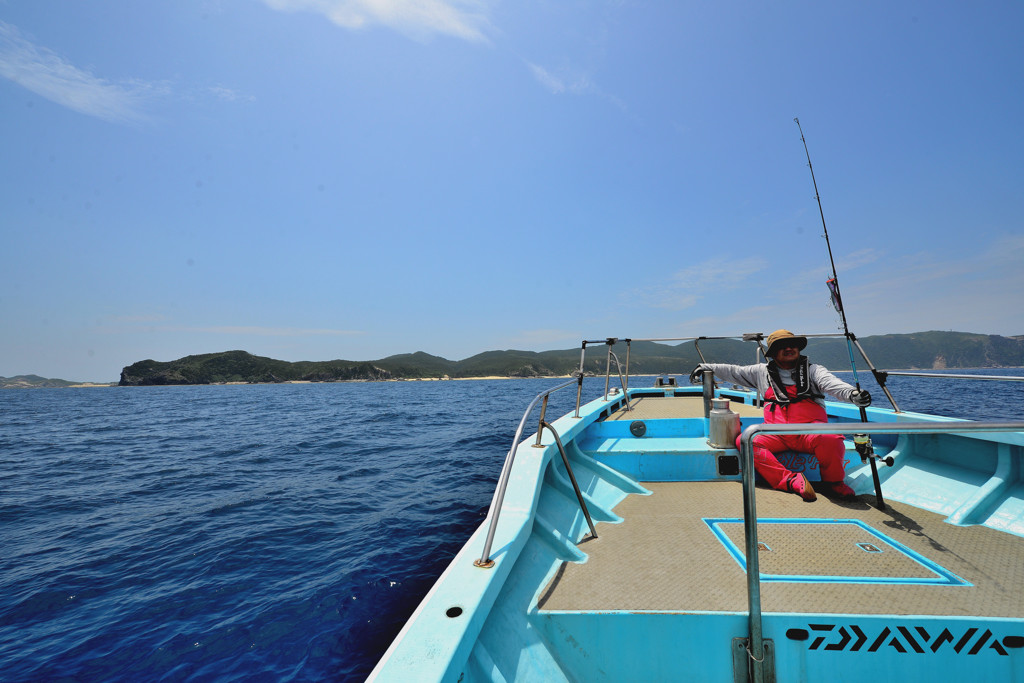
(266, 532)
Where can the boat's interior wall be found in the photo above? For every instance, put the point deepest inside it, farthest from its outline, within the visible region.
(457, 631)
(972, 481)
(662, 646)
(510, 645)
(956, 451)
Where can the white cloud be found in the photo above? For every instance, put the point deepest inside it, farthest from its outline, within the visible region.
(567, 81)
(257, 331)
(278, 331)
(550, 82)
(686, 288)
(152, 323)
(465, 19)
(139, 318)
(977, 289)
(858, 259)
(563, 82)
(225, 94)
(47, 74)
(531, 339)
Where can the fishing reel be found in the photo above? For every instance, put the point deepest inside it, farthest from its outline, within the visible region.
(862, 442)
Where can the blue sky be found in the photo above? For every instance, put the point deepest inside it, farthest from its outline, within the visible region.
(321, 179)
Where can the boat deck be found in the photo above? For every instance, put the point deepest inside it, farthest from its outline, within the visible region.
(681, 548)
(666, 407)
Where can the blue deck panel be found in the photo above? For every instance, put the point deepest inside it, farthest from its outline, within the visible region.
(940, 576)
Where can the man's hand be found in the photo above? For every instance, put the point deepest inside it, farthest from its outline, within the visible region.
(697, 376)
(860, 398)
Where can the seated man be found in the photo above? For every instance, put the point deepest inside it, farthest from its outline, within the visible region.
(792, 389)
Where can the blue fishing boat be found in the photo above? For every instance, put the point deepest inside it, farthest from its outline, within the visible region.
(629, 540)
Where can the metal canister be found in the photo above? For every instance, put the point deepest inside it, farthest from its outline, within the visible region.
(723, 425)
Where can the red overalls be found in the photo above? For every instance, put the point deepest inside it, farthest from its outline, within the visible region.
(827, 448)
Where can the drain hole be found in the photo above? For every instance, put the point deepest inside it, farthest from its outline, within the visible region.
(453, 612)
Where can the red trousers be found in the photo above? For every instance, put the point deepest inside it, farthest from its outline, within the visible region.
(827, 448)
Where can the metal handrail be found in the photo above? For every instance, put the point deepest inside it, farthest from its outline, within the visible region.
(1000, 378)
(572, 477)
(611, 341)
(755, 645)
(506, 470)
(879, 375)
(622, 381)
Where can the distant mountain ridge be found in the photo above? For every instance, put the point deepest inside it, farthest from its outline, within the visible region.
(920, 350)
(30, 381)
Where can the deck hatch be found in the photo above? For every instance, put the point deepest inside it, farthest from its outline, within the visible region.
(830, 551)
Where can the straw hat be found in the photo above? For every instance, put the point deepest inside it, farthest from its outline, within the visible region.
(776, 338)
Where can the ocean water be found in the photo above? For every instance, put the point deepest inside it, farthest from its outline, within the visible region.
(269, 532)
(982, 400)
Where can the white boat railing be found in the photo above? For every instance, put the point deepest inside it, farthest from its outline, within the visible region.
(755, 643)
(485, 560)
(949, 375)
(759, 354)
(623, 369)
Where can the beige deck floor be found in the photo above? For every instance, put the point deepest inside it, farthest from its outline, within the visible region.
(658, 407)
(665, 557)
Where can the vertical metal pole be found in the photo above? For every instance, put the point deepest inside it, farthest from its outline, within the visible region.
(485, 560)
(755, 646)
(758, 355)
(708, 378)
(540, 426)
(696, 347)
(579, 383)
(622, 381)
(874, 371)
(608, 367)
(572, 478)
(629, 343)
(879, 501)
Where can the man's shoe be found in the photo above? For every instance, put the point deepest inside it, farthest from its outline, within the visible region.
(799, 485)
(840, 489)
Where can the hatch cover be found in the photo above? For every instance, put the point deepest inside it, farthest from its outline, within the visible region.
(801, 550)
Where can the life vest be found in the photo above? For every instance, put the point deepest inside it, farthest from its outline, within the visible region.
(793, 403)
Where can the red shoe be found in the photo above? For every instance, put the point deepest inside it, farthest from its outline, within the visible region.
(840, 489)
(799, 485)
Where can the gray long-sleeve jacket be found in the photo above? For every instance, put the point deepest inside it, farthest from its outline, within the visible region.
(756, 376)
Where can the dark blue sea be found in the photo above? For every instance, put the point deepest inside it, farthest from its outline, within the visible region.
(264, 532)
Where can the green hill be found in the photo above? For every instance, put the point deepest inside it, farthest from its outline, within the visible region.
(924, 350)
(240, 366)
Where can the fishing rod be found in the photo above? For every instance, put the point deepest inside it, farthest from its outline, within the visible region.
(833, 284)
(861, 441)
